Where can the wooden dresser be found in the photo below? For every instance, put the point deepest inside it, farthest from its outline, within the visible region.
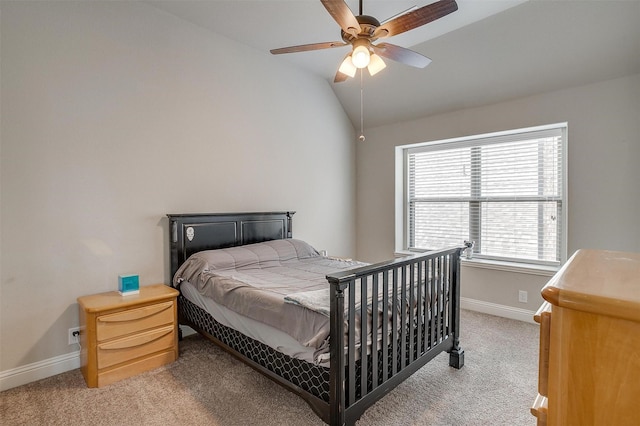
(589, 372)
(121, 336)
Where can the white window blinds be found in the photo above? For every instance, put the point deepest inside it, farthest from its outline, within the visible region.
(505, 192)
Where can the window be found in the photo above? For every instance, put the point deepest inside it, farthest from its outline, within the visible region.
(504, 191)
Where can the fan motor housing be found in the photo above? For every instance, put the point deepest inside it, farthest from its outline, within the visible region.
(368, 26)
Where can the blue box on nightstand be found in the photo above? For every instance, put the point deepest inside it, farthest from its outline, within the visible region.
(128, 284)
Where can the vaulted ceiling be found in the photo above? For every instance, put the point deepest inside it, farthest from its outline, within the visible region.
(488, 51)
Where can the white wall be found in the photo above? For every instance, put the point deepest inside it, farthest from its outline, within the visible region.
(603, 166)
(116, 113)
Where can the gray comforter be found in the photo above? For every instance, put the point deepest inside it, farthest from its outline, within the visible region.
(254, 280)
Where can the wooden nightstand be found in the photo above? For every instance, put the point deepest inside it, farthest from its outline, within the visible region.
(121, 336)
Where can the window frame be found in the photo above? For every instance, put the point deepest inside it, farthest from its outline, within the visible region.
(402, 213)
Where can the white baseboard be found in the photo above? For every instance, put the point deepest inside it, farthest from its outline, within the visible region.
(60, 364)
(39, 370)
(497, 310)
(49, 367)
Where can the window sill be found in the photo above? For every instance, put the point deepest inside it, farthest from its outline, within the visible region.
(520, 268)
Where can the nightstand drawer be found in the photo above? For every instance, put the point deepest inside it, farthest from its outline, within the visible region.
(122, 371)
(134, 320)
(128, 348)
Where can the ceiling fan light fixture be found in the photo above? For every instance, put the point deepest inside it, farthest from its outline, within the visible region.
(376, 64)
(362, 30)
(361, 56)
(347, 67)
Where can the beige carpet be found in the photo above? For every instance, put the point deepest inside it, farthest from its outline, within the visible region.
(207, 386)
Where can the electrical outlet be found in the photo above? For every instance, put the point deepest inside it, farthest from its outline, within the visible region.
(522, 296)
(74, 335)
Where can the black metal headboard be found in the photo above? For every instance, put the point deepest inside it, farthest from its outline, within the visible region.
(191, 233)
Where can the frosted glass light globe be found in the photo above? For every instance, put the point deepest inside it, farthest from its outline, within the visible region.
(360, 57)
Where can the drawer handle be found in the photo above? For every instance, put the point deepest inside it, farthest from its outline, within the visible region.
(544, 309)
(136, 314)
(136, 340)
(545, 342)
(540, 409)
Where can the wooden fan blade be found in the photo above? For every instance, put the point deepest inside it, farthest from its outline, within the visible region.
(307, 47)
(402, 55)
(416, 18)
(341, 13)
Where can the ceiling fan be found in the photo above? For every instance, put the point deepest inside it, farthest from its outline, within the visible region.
(361, 31)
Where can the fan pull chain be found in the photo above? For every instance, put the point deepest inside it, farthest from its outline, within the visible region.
(361, 137)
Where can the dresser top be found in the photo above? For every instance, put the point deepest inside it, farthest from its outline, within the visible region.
(598, 281)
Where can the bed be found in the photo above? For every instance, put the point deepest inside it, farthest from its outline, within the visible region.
(391, 318)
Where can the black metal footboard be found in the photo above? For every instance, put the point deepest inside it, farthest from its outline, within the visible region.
(406, 311)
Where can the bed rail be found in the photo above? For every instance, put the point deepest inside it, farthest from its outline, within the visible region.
(397, 315)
